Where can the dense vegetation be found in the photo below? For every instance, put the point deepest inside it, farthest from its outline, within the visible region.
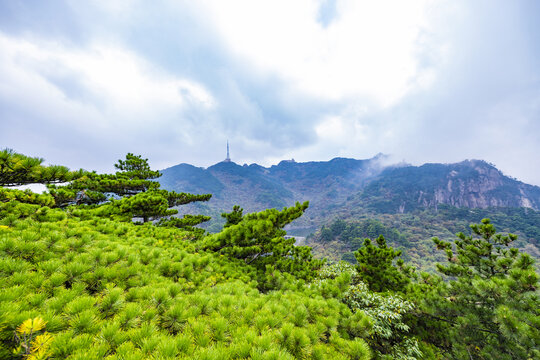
(411, 232)
(116, 276)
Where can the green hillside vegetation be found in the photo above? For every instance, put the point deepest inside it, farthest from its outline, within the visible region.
(122, 278)
(411, 232)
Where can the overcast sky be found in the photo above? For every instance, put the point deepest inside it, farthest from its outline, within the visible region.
(84, 82)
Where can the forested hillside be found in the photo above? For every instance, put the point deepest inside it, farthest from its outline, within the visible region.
(412, 232)
(99, 267)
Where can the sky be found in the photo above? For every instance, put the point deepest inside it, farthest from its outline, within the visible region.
(84, 83)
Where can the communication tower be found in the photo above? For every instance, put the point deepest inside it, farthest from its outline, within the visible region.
(228, 158)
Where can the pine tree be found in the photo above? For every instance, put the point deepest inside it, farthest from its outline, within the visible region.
(130, 193)
(490, 308)
(258, 240)
(234, 217)
(135, 167)
(156, 204)
(133, 176)
(376, 267)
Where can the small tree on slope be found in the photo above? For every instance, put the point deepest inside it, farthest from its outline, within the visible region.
(376, 267)
(258, 240)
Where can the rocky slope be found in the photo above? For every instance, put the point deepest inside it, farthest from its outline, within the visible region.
(470, 184)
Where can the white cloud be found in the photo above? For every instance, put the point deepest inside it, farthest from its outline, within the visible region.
(425, 80)
(86, 107)
(117, 85)
(369, 50)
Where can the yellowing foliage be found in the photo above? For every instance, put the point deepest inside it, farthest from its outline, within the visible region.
(31, 345)
(41, 342)
(31, 326)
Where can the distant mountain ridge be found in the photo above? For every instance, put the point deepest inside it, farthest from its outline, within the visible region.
(344, 185)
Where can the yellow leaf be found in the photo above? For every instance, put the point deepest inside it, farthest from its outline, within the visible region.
(41, 342)
(31, 326)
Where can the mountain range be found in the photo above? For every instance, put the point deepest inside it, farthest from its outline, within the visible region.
(343, 187)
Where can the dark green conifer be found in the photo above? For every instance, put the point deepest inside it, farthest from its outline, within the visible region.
(490, 307)
(129, 193)
(376, 267)
(258, 239)
(234, 217)
(133, 177)
(157, 204)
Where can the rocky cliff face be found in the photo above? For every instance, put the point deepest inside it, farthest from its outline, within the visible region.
(471, 184)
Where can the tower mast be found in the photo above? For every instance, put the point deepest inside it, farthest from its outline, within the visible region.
(228, 159)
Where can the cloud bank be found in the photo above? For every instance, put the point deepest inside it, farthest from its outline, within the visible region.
(425, 81)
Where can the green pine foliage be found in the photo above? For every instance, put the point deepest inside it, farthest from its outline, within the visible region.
(25, 196)
(155, 205)
(133, 177)
(87, 282)
(128, 194)
(18, 169)
(258, 240)
(114, 290)
(135, 167)
(376, 267)
(187, 222)
(234, 217)
(490, 305)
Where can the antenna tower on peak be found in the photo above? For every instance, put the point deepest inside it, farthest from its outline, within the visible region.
(228, 158)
